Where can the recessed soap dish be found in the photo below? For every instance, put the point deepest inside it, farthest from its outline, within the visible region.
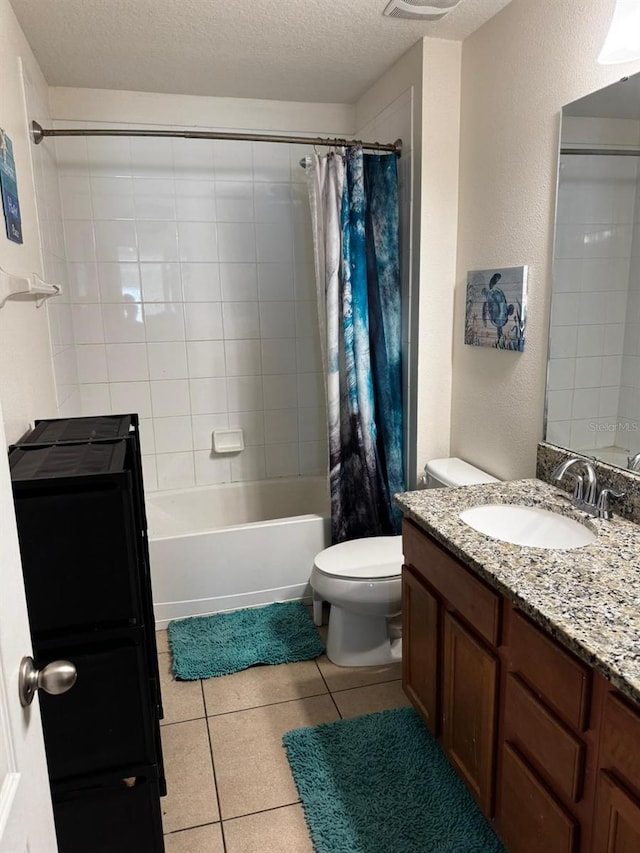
(228, 440)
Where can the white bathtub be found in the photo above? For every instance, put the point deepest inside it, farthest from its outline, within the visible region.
(234, 545)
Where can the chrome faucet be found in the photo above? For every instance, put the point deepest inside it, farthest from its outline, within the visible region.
(633, 462)
(588, 501)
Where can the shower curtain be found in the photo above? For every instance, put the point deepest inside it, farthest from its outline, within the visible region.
(354, 206)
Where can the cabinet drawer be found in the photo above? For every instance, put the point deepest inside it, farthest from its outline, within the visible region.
(620, 750)
(106, 720)
(530, 820)
(475, 601)
(562, 680)
(557, 754)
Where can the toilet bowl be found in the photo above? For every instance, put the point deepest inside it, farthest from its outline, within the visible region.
(361, 580)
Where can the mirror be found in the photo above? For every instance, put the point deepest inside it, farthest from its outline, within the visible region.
(593, 377)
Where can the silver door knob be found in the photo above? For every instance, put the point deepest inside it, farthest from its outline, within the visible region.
(56, 677)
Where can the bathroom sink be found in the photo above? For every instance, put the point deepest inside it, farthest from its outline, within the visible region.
(528, 525)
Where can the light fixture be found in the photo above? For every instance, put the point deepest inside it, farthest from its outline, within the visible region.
(420, 10)
(623, 39)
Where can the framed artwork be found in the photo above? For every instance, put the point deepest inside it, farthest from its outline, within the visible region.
(496, 308)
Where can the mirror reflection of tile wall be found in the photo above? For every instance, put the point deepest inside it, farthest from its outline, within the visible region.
(593, 393)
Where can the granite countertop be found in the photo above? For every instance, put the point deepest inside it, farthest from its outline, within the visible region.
(587, 597)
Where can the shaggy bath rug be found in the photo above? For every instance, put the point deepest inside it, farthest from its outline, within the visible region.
(208, 646)
(381, 784)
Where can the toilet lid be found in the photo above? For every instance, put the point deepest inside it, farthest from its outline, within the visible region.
(376, 557)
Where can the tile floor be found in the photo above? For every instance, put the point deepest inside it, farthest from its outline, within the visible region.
(230, 787)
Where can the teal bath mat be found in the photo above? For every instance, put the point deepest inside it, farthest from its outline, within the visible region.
(208, 646)
(381, 784)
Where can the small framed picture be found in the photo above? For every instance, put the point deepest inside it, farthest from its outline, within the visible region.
(496, 308)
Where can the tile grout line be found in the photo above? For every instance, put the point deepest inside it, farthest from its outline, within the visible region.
(213, 768)
(335, 704)
(298, 802)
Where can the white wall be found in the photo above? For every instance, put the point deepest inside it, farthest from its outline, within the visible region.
(26, 379)
(390, 110)
(438, 239)
(192, 284)
(518, 70)
(418, 98)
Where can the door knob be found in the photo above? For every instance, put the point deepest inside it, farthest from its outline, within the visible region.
(56, 677)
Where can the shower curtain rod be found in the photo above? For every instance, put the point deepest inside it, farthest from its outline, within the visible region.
(606, 152)
(38, 133)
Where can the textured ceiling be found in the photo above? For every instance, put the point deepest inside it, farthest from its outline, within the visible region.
(323, 50)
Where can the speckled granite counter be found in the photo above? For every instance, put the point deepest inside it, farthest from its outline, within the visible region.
(588, 597)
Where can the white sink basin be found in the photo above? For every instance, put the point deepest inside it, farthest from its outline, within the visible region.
(528, 525)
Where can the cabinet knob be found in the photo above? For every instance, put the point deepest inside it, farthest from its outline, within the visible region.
(55, 678)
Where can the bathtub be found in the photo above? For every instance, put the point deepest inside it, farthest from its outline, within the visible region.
(234, 545)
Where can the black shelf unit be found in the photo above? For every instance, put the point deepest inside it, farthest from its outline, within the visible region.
(79, 499)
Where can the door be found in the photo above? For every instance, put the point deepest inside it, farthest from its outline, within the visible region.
(26, 817)
(420, 648)
(470, 681)
(617, 817)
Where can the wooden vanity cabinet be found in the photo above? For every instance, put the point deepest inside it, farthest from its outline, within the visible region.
(450, 667)
(420, 666)
(548, 748)
(617, 805)
(547, 743)
(469, 708)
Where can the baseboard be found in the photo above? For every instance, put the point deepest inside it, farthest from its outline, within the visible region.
(168, 610)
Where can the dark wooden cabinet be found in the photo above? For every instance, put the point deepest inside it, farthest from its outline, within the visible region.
(450, 668)
(617, 817)
(79, 502)
(469, 711)
(548, 748)
(551, 748)
(549, 729)
(617, 808)
(420, 664)
(532, 819)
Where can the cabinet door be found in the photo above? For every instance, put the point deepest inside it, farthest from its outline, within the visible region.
(420, 648)
(617, 818)
(530, 819)
(470, 678)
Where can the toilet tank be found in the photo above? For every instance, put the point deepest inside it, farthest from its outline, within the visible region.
(452, 472)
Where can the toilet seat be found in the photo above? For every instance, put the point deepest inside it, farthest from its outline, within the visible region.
(372, 559)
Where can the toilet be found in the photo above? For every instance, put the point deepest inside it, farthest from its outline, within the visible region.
(361, 580)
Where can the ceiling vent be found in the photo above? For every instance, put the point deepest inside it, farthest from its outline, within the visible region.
(420, 10)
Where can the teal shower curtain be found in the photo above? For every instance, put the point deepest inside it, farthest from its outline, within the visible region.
(354, 203)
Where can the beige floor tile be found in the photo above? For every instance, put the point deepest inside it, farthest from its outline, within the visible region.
(276, 831)
(262, 685)
(252, 770)
(181, 700)
(191, 798)
(366, 700)
(202, 839)
(347, 677)
(162, 642)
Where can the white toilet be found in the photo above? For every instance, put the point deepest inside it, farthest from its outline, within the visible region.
(361, 579)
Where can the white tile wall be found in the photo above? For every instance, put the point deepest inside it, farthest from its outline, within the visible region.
(192, 301)
(592, 398)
